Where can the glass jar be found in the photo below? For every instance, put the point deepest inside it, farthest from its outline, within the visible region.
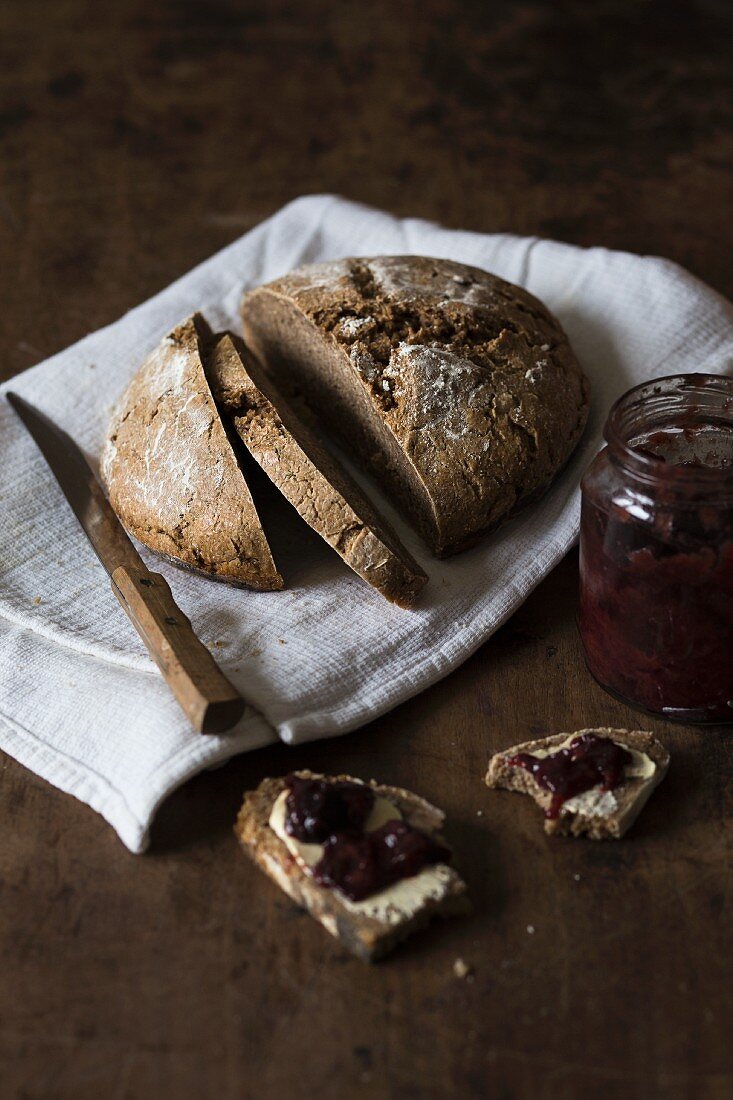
(656, 550)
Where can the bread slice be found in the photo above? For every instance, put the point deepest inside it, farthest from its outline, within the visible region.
(457, 390)
(629, 797)
(367, 937)
(171, 471)
(321, 490)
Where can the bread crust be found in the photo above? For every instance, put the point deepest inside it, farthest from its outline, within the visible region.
(631, 796)
(318, 487)
(367, 937)
(172, 475)
(458, 390)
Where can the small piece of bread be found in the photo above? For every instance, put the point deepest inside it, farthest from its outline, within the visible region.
(629, 797)
(317, 486)
(366, 936)
(171, 471)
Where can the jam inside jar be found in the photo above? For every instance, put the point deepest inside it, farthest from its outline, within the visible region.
(656, 550)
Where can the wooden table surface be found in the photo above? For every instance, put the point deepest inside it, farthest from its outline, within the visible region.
(137, 139)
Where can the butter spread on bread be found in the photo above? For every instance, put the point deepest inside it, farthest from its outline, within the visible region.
(400, 900)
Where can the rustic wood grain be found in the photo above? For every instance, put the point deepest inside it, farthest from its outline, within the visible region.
(138, 138)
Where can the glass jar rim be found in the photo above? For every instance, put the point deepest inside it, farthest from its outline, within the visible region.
(646, 466)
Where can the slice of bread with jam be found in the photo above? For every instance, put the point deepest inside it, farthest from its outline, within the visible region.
(380, 912)
(593, 782)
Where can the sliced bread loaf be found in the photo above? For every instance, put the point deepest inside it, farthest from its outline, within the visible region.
(321, 490)
(171, 472)
(368, 936)
(459, 391)
(597, 814)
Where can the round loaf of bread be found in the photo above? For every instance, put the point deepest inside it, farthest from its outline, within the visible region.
(458, 390)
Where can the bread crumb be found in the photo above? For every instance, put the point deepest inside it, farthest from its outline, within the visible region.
(37, 600)
(281, 641)
(461, 969)
(220, 645)
(530, 929)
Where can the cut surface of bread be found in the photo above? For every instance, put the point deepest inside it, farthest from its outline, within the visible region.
(319, 488)
(171, 471)
(367, 936)
(601, 815)
(457, 390)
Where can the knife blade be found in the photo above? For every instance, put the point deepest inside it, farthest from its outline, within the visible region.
(208, 699)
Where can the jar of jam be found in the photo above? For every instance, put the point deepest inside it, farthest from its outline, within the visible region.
(656, 550)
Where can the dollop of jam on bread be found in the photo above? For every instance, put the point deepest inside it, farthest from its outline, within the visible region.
(316, 808)
(588, 761)
(362, 864)
(355, 861)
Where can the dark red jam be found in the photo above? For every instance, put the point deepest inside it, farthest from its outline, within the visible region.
(316, 808)
(588, 761)
(656, 551)
(362, 864)
(355, 862)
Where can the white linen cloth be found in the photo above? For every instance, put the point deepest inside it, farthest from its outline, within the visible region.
(82, 704)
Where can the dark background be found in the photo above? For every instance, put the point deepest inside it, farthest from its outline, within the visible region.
(136, 139)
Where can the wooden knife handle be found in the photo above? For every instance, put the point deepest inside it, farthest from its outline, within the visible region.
(210, 702)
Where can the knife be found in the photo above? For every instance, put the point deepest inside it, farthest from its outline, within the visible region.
(207, 698)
